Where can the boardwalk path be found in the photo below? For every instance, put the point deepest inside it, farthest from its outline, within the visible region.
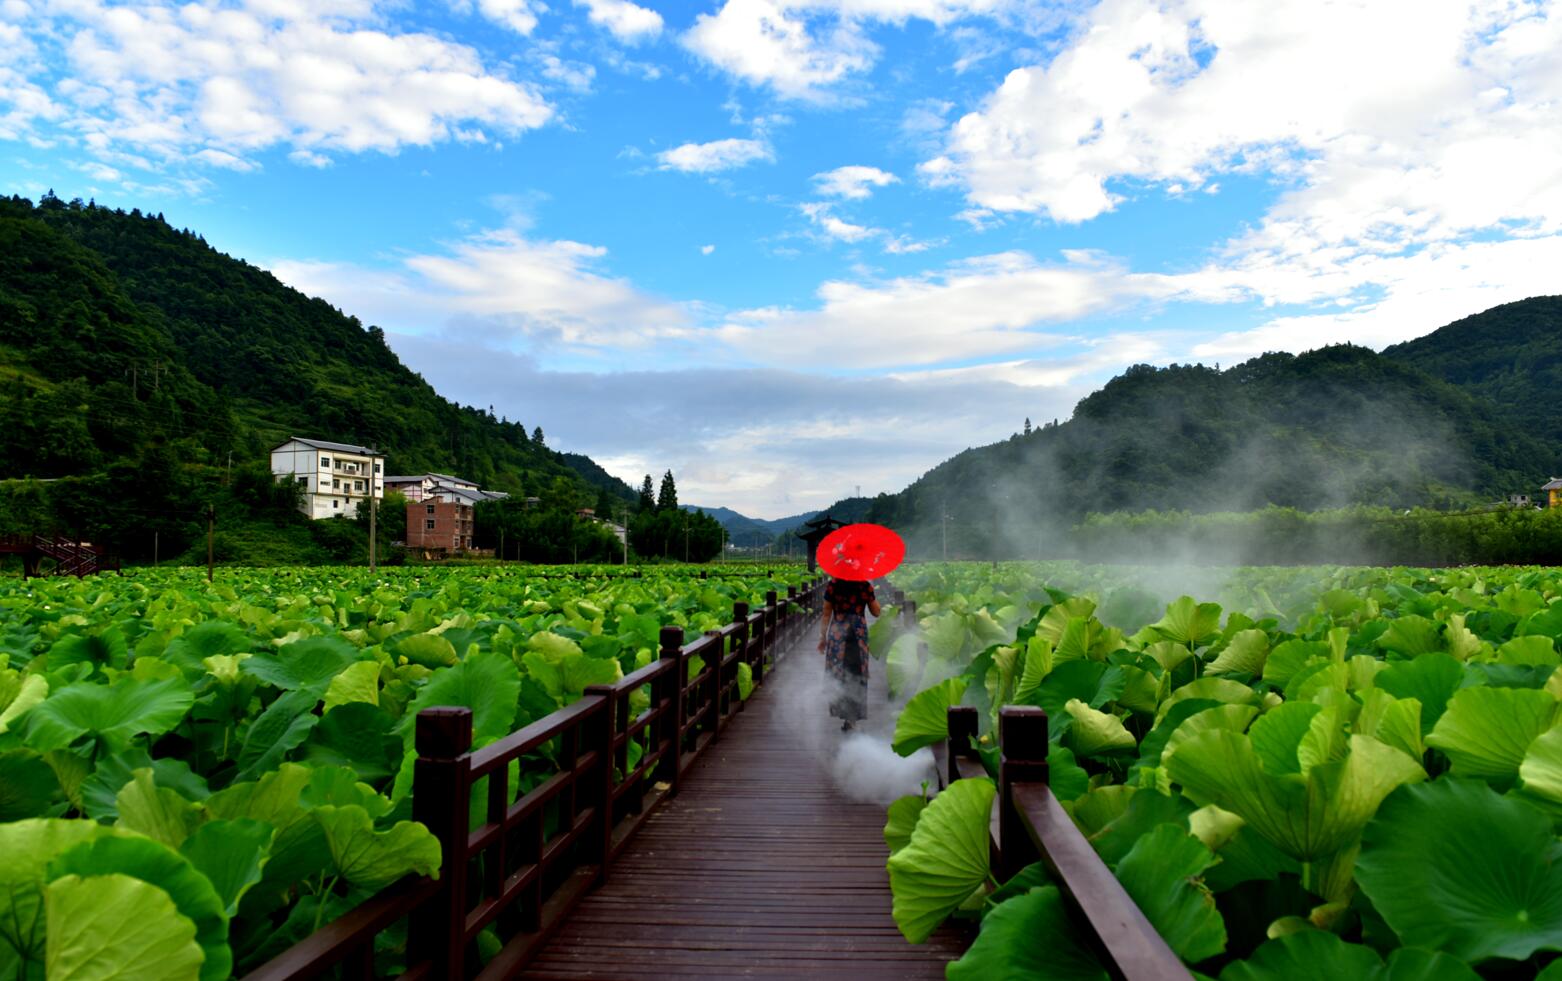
(758, 868)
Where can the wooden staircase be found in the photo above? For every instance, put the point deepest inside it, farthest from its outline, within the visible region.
(71, 558)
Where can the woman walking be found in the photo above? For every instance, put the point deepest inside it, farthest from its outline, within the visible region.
(843, 637)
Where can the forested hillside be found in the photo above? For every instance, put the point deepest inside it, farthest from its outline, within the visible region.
(132, 346)
(1510, 354)
(1338, 426)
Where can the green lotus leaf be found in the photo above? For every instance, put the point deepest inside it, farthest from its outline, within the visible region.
(1214, 689)
(1233, 717)
(1168, 653)
(1038, 664)
(566, 678)
(1245, 654)
(1307, 816)
(1073, 644)
(231, 855)
(487, 683)
(161, 866)
(18, 693)
(99, 791)
(276, 732)
(1190, 622)
(1091, 682)
(1277, 736)
(1161, 873)
(303, 665)
(214, 638)
(339, 786)
(882, 631)
(1430, 679)
(1540, 651)
(118, 927)
(1395, 721)
(1153, 745)
(1028, 938)
(1095, 733)
(1142, 811)
(945, 635)
(946, 859)
(157, 812)
(1320, 954)
(902, 665)
(29, 846)
(112, 714)
(925, 719)
(1455, 866)
(1485, 732)
(358, 682)
(430, 650)
(902, 820)
(28, 785)
(358, 735)
(101, 650)
(1064, 775)
(1289, 658)
(1460, 641)
(1411, 635)
(745, 680)
(370, 859)
(553, 646)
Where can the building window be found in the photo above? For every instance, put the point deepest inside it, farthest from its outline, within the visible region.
(376, 468)
(430, 508)
(335, 504)
(325, 461)
(357, 485)
(336, 484)
(428, 525)
(303, 481)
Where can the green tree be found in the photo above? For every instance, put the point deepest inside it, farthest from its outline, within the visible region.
(667, 497)
(647, 500)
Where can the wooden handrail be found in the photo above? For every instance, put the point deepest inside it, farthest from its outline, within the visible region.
(530, 881)
(1029, 824)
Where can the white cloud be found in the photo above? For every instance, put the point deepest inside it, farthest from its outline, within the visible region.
(624, 20)
(707, 249)
(519, 16)
(979, 308)
(574, 75)
(853, 181)
(820, 214)
(170, 84)
(1392, 120)
(802, 48)
(705, 158)
(535, 293)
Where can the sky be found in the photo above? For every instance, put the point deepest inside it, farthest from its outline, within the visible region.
(796, 249)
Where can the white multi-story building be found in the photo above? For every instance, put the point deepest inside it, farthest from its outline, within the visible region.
(415, 487)
(336, 477)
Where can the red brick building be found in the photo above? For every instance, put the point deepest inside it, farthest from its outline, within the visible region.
(438, 524)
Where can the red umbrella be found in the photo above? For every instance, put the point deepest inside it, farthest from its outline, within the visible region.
(861, 552)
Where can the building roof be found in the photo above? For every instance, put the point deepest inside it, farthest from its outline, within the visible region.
(405, 479)
(325, 444)
(1556, 484)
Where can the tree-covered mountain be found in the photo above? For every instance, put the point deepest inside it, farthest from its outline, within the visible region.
(1510, 355)
(144, 314)
(125, 342)
(1336, 426)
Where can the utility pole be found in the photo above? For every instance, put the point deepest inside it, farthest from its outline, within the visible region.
(374, 512)
(501, 543)
(211, 527)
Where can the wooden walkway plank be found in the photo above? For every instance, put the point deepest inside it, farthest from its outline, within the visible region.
(759, 867)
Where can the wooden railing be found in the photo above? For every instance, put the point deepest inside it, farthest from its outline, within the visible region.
(1030, 825)
(536, 853)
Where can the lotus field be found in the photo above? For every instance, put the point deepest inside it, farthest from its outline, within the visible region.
(1339, 773)
(194, 777)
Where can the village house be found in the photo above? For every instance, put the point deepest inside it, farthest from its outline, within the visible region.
(440, 510)
(1554, 489)
(336, 477)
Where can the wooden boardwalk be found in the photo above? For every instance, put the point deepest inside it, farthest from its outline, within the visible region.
(758, 868)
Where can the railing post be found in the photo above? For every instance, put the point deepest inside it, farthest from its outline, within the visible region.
(672, 717)
(962, 739)
(1022, 758)
(908, 612)
(772, 626)
(441, 801)
(740, 640)
(794, 618)
(718, 690)
(601, 740)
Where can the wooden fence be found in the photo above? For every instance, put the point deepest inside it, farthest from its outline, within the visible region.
(1029, 825)
(529, 861)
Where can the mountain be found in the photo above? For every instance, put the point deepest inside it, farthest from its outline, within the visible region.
(1510, 355)
(1336, 426)
(122, 336)
(743, 530)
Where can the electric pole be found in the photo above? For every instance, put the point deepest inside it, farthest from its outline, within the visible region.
(373, 524)
(211, 526)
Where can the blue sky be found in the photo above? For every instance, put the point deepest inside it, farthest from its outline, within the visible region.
(791, 247)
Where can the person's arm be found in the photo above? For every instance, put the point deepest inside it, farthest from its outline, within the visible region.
(824, 623)
(873, 601)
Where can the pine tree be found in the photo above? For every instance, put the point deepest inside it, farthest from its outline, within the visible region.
(647, 497)
(537, 436)
(667, 499)
(1027, 425)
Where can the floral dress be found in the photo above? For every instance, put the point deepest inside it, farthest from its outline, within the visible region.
(848, 620)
